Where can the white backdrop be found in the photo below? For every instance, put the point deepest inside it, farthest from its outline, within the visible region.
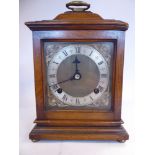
(32, 10)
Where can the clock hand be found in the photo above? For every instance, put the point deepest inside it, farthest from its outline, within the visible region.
(76, 76)
(70, 79)
(76, 61)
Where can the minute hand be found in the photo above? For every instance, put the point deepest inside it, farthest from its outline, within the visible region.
(70, 79)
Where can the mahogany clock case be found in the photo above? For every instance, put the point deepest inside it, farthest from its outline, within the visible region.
(78, 124)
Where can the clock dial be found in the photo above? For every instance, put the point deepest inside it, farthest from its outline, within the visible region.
(80, 72)
(78, 75)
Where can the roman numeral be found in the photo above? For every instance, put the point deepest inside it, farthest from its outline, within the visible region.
(90, 53)
(65, 53)
(55, 86)
(48, 62)
(103, 75)
(100, 88)
(91, 98)
(64, 98)
(101, 62)
(52, 75)
(55, 62)
(77, 101)
(77, 49)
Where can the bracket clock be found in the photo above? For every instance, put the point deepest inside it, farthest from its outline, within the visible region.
(78, 65)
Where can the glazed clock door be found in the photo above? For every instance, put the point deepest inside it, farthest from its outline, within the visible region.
(78, 75)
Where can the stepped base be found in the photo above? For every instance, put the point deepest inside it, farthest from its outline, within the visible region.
(117, 133)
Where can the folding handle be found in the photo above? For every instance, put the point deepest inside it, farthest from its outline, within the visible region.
(78, 6)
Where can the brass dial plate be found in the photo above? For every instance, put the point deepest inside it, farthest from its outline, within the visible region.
(78, 75)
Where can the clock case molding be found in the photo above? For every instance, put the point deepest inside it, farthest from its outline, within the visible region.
(81, 26)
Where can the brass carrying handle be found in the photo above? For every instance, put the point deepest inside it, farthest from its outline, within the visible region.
(78, 6)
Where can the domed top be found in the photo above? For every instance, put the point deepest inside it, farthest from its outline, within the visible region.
(79, 19)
